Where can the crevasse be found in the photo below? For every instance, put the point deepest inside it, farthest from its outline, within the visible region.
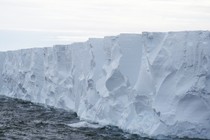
(149, 83)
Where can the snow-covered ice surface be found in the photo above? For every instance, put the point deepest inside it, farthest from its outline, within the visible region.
(150, 84)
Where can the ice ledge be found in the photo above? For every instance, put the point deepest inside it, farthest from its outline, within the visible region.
(149, 83)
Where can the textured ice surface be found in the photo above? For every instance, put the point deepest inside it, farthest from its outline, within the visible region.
(149, 83)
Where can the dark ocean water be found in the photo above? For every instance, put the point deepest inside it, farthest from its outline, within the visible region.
(27, 121)
(23, 120)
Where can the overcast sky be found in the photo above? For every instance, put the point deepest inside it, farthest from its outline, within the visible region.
(38, 23)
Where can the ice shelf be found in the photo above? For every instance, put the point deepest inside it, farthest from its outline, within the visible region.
(150, 83)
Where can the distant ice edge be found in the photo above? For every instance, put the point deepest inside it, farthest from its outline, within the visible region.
(149, 83)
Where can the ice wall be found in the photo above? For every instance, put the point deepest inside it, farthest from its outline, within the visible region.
(149, 83)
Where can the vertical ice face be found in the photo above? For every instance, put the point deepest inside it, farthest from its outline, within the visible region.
(150, 83)
(2, 59)
(180, 69)
(179, 73)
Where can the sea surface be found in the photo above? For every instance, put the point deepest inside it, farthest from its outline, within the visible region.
(23, 120)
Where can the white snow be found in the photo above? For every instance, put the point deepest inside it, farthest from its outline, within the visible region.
(149, 83)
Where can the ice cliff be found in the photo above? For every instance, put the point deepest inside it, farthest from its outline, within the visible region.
(149, 83)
